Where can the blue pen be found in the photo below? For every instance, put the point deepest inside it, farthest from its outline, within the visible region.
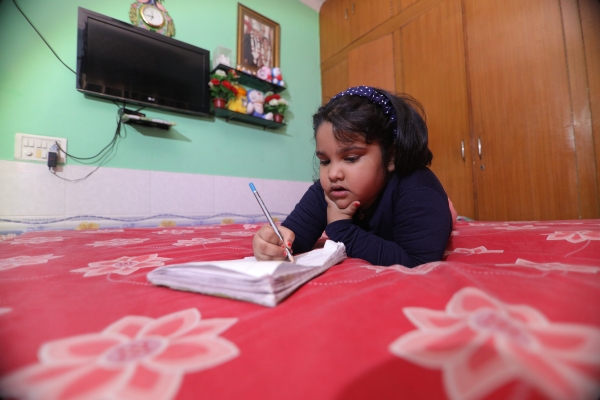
(264, 208)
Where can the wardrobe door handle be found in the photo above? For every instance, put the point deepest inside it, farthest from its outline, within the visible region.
(479, 147)
(462, 149)
(346, 13)
(352, 8)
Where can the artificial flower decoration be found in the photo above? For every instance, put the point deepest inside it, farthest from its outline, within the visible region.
(222, 85)
(275, 103)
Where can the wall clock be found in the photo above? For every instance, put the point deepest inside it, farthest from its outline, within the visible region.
(152, 15)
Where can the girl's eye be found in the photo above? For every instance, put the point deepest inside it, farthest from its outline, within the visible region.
(352, 159)
(324, 162)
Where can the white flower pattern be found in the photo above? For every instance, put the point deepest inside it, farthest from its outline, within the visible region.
(553, 266)
(574, 236)
(136, 357)
(238, 233)
(36, 240)
(476, 250)
(174, 232)
(14, 262)
(481, 343)
(117, 242)
(422, 269)
(521, 227)
(199, 241)
(122, 265)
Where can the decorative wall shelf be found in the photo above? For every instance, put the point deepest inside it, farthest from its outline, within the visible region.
(251, 80)
(229, 115)
(255, 83)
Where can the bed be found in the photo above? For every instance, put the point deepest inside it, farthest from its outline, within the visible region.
(511, 313)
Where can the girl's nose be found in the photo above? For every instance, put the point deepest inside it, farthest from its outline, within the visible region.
(335, 172)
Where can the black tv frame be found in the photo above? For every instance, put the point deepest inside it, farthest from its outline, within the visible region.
(136, 96)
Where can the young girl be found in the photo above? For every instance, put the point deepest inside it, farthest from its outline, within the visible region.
(375, 193)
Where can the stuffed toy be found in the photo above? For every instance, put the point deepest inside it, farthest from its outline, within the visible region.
(256, 99)
(240, 103)
(277, 78)
(264, 73)
(255, 105)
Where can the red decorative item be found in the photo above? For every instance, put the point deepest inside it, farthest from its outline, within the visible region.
(221, 87)
(271, 97)
(278, 118)
(219, 102)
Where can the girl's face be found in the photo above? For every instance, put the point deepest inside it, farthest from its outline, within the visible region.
(349, 171)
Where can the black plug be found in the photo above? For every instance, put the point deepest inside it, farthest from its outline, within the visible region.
(52, 156)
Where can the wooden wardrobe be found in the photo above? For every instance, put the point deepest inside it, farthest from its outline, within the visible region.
(511, 91)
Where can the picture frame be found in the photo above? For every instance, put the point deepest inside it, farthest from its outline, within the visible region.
(257, 41)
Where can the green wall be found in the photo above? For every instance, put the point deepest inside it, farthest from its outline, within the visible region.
(38, 95)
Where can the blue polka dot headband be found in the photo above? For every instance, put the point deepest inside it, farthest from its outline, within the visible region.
(374, 97)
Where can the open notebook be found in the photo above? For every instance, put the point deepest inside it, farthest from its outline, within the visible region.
(261, 282)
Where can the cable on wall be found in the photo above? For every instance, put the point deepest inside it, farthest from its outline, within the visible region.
(104, 155)
(38, 32)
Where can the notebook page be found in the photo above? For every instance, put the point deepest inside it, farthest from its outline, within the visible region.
(255, 268)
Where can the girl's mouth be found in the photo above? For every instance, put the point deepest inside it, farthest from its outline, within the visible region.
(338, 191)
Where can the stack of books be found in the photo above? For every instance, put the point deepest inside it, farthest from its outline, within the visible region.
(261, 282)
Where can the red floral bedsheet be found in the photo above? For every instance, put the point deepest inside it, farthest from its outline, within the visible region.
(513, 313)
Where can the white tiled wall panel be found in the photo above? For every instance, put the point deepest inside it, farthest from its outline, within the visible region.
(181, 194)
(107, 191)
(30, 189)
(29, 192)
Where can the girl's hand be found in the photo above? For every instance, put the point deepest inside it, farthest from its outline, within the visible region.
(267, 246)
(334, 213)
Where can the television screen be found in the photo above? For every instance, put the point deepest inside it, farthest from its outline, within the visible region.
(120, 61)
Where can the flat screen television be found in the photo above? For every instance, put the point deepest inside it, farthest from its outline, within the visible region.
(119, 61)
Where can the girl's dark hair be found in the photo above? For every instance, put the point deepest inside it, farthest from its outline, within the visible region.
(355, 117)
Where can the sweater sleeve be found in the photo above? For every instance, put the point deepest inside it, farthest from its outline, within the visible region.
(308, 219)
(420, 228)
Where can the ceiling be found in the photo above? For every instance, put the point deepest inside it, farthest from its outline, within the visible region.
(314, 4)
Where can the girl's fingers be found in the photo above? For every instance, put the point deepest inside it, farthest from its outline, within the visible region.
(267, 245)
(353, 207)
(350, 210)
(268, 235)
(268, 251)
(288, 236)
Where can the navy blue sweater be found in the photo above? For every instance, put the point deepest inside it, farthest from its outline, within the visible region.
(409, 224)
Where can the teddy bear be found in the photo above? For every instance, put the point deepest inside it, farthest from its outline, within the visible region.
(277, 78)
(255, 105)
(256, 99)
(240, 103)
(264, 73)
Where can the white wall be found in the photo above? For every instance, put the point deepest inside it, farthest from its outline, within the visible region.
(31, 198)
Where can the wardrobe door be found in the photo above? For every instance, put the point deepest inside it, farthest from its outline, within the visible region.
(334, 24)
(365, 15)
(589, 11)
(402, 5)
(525, 165)
(334, 80)
(372, 64)
(434, 72)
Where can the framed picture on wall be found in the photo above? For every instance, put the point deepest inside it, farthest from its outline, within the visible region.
(257, 41)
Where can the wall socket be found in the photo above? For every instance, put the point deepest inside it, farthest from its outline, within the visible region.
(35, 148)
